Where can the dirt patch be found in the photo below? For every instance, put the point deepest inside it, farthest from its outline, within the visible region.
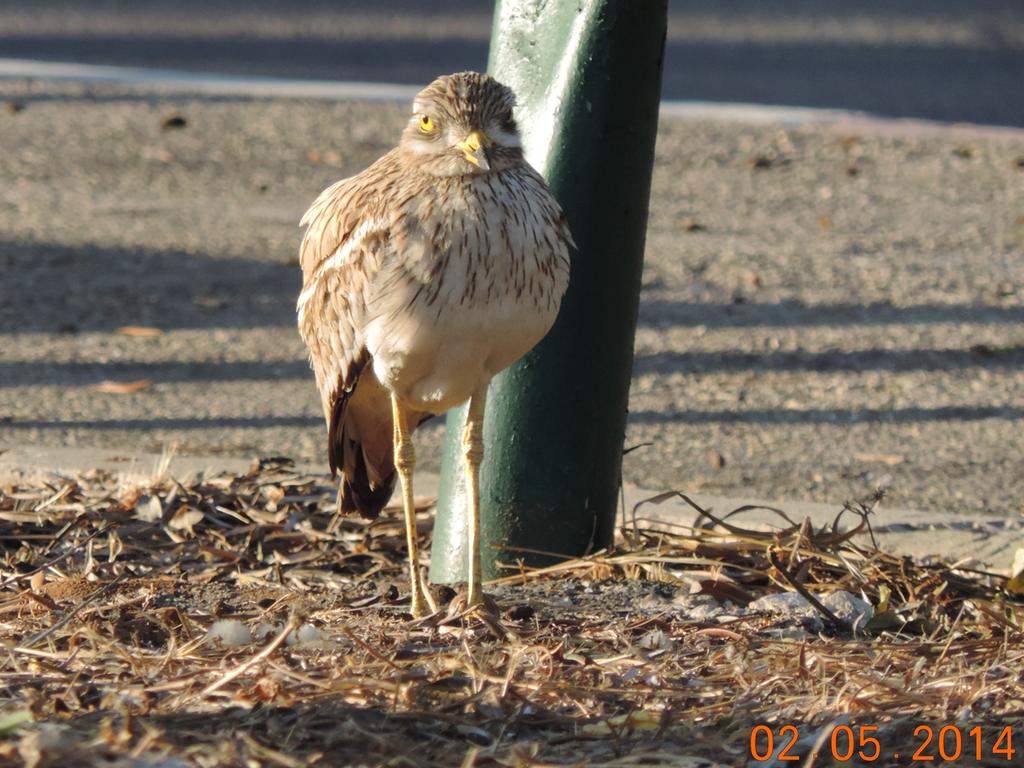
(235, 621)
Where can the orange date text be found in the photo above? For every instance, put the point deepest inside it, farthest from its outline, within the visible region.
(864, 743)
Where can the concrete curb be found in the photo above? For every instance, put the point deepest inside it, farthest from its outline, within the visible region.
(986, 541)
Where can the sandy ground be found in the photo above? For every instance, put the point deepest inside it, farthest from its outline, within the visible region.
(825, 310)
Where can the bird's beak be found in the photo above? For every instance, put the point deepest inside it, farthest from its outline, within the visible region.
(474, 146)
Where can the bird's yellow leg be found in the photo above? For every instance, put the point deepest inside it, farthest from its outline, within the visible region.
(473, 449)
(405, 462)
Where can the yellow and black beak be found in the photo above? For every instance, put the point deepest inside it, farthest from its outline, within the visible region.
(474, 148)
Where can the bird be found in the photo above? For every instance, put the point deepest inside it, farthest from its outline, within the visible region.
(435, 268)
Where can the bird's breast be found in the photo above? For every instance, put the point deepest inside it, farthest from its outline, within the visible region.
(474, 284)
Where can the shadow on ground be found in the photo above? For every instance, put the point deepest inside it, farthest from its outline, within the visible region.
(61, 288)
(66, 289)
(829, 415)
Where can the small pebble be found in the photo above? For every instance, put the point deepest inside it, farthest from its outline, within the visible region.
(785, 603)
(265, 630)
(304, 635)
(849, 608)
(716, 459)
(521, 613)
(229, 632)
(307, 634)
(656, 640)
(172, 122)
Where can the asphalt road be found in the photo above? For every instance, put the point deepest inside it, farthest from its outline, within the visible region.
(939, 59)
(824, 310)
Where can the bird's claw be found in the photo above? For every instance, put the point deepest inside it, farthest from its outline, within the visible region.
(485, 610)
(422, 605)
(483, 602)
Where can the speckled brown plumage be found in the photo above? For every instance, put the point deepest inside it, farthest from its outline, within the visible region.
(424, 275)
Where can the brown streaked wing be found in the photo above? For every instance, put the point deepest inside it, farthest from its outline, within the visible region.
(341, 252)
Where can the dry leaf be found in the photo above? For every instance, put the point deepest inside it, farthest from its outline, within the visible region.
(13, 720)
(124, 387)
(139, 330)
(173, 121)
(114, 546)
(620, 656)
(624, 725)
(1015, 586)
(266, 689)
(150, 509)
(884, 618)
(882, 458)
(185, 518)
(209, 302)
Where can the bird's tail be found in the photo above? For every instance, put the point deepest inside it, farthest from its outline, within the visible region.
(358, 493)
(361, 447)
(361, 491)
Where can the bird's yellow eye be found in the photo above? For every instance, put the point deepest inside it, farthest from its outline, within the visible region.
(426, 124)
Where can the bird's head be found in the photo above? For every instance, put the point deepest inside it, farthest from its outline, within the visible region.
(462, 124)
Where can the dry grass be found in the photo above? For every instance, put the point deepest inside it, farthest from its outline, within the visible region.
(108, 593)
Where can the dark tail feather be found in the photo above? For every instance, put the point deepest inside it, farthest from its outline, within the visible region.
(369, 506)
(356, 494)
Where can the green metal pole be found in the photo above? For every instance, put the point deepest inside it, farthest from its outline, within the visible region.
(587, 74)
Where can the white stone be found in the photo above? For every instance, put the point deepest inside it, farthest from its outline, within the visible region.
(849, 608)
(790, 604)
(229, 632)
(307, 634)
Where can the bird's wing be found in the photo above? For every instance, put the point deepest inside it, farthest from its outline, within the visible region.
(339, 259)
(346, 239)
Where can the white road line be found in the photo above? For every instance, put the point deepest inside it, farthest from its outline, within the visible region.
(203, 82)
(216, 84)
(754, 113)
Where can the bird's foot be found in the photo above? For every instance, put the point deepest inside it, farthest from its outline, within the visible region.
(422, 603)
(421, 609)
(484, 610)
(461, 604)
